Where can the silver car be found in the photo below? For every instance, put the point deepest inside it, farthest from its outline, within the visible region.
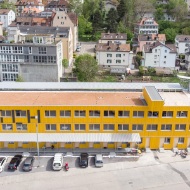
(28, 163)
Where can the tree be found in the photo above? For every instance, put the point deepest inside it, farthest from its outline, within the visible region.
(19, 79)
(85, 27)
(86, 67)
(177, 8)
(186, 31)
(159, 14)
(97, 21)
(121, 9)
(65, 64)
(7, 5)
(170, 34)
(122, 29)
(76, 6)
(111, 20)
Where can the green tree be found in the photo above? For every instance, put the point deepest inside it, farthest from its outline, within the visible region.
(186, 31)
(159, 14)
(170, 34)
(111, 20)
(85, 27)
(7, 5)
(76, 6)
(97, 21)
(65, 64)
(86, 67)
(122, 29)
(121, 9)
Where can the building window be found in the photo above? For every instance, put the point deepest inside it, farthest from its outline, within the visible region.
(123, 113)
(152, 127)
(138, 113)
(166, 127)
(165, 51)
(65, 113)
(167, 114)
(50, 113)
(109, 61)
(21, 127)
(182, 114)
(10, 76)
(118, 55)
(109, 55)
(80, 113)
(94, 127)
(20, 113)
(155, 56)
(164, 56)
(109, 113)
(10, 67)
(181, 140)
(167, 140)
(118, 61)
(152, 113)
(123, 127)
(7, 127)
(30, 50)
(94, 113)
(180, 127)
(80, 127)
(108, 127)
(42, 50)
(17, 49)
(155, 50)
(137, 127)
(50, 127)
(6, 113)
(65, 127)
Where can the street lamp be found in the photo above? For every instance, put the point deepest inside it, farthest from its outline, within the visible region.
(36, 117)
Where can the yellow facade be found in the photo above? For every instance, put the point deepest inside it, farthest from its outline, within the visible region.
(151, 138)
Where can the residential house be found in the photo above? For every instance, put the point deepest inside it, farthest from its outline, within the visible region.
(159, 55)
(146, 26)
(182, 42)
(120, 38)
(6, 17)
(58, 5)
(111, 54)
(67, 19)
(149, 39)
(64, 34)
(21, 4)
(35, 55)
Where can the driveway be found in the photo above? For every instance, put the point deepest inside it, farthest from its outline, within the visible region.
(87, 47)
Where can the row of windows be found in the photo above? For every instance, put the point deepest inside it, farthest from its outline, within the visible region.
(96, 127)
(96, 113)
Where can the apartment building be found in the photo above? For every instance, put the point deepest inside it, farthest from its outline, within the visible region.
(35, 56)
(58, 5)
(156, 116)
(159, 55)
(117, 38)
(146, 26)
(6, 17)
(182, 43)
(111, 54)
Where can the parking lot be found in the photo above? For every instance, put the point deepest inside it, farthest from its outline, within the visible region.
(44, 164)
(87, 47)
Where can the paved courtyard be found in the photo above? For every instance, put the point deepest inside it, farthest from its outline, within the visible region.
(157, 171)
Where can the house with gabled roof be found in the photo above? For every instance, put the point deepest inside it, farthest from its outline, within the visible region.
(182, 42)
(159, 55)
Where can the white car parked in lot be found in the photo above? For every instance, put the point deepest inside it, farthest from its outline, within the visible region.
(58, 161)
(3, 161)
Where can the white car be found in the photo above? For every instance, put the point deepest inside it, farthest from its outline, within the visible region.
(3, 161)
(58, 161)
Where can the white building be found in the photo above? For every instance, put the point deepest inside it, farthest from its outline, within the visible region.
(159, 55)
(113, 37)
(6, 17)
(182, 42)
(110, 54)
(146, 26)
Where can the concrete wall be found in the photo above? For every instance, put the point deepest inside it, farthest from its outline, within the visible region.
(39, 73)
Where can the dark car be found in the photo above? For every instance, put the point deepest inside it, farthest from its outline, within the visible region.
(28, 163)
(14, 163)
(83, 160)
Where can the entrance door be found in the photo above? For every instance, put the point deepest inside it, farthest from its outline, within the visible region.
(5, 144)
(19, 144)
(175, 142)
(147, 142)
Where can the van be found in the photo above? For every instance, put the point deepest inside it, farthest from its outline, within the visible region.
(98, 160)
(58, 161)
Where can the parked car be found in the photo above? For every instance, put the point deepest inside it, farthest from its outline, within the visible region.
(58, 161)
(14, 163)
(3, 161)
(98, 160)
(78, 48)
(28, 164)
(83, 160)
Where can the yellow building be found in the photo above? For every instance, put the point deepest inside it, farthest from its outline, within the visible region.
(95, 119)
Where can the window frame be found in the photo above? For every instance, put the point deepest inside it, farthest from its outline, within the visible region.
(92, 127)
(80, 113)
(167, 115)
(123, 126)
(50, 127)
(23, 127)
(150, 127)
(94, 111)
(65, 115)
(181, 140)
(5, 115)
(50, 113)
(108, 113)
(178, 127)
(108, 127)
(137, 126)
(138, 115)
(10, 128)
(80, 126)
(65, 127)
(165, 127)
(20, 113)
(167, 140)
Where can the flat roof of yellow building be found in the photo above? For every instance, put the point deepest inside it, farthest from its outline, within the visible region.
(69, 98)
